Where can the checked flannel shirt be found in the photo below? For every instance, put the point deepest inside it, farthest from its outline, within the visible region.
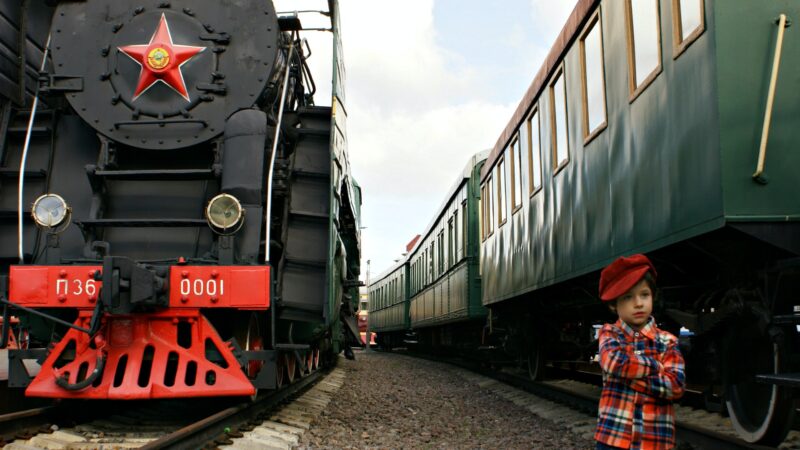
(642, 375)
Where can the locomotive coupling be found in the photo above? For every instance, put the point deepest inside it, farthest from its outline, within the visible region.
(128, 286)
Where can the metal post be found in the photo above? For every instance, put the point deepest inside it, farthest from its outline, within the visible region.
(367, 336)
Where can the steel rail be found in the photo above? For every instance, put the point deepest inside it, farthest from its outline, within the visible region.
(12, 424)
(199, 433)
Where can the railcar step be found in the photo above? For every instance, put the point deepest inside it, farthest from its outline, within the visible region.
(783, 379)
(151, 175)
(142, 223)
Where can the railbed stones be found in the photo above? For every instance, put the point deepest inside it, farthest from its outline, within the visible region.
(394, 401)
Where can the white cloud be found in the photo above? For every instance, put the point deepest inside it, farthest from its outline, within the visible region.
(549, 16)
(414, 119)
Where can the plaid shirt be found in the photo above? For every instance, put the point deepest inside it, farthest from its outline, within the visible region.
(642, 376)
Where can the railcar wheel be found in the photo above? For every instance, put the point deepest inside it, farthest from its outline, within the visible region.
(536, 362)
(761, 413)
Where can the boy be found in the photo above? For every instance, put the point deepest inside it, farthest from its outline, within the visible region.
(642, 365)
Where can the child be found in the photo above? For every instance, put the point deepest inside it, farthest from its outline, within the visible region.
(642, 365)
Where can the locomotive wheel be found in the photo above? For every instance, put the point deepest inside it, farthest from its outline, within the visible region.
(280, 370)
(250, 338)
(309, 360)
(759, 412)
(315, 358)
(290, 362)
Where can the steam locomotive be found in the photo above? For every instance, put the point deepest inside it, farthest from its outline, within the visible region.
(177, 216)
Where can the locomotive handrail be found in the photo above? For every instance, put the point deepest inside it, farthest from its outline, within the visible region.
(268, 212)
(773, 81)
(24, 158)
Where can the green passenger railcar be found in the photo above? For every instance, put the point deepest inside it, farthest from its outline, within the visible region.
(444, 290)
(434, 292)
(647, 130)
(388, 305)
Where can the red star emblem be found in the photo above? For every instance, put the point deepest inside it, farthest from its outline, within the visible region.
(161, 61)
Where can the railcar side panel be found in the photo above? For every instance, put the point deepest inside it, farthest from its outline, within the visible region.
(650, 178)
(746, 36)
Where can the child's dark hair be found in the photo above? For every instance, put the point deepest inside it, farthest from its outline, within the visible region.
(651, 283)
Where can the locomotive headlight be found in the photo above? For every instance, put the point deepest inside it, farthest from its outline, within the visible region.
(50, 211)
(224, 213)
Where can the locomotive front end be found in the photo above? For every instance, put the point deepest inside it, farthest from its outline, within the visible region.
(146, 271)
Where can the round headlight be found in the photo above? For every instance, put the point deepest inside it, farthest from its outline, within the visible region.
(224, 212)
(50, 211)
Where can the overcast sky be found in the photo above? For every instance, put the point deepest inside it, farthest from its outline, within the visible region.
(429, 83)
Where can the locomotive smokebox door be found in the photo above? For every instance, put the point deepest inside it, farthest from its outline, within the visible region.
(164, 75)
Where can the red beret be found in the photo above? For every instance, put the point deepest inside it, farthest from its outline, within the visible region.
(622, 274)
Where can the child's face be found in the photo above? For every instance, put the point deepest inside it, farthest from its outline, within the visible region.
(634, 307)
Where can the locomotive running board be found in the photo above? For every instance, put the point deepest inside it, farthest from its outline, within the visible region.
(170, 354)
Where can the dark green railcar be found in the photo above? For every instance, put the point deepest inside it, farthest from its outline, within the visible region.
(444, 290)
(652, 127)
(388, 305)
(434, 292)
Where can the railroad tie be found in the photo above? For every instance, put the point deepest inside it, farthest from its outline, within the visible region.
(286, 426)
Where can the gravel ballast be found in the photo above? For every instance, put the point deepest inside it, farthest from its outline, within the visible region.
(396, 401)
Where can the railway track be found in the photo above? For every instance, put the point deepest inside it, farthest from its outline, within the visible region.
(574, 404)
(275, 420)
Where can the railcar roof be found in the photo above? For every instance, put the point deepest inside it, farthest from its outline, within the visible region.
(575, 22)
(465, 174)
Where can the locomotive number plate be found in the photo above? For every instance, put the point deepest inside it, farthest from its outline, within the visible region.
(245, 287)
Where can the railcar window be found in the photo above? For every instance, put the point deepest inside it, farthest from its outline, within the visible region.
(430, 263)
(464, 224)
(644, 43)
(534, 153)
(440, 246)
(558, 114)
(688, 23)
(450, 256)
(516, 175)
(491, 212)
(502, 192)
(457, 237)
(594, 95)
